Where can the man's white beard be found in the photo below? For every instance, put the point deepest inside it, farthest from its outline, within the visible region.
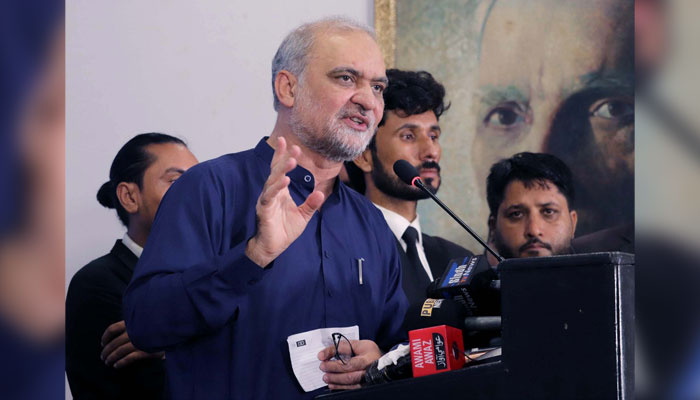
(336, 142)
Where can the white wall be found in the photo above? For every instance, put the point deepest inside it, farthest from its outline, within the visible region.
(199, 70)
(196, 69)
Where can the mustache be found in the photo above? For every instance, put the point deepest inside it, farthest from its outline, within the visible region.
(429, 165)
(533, 241)
(348, 111)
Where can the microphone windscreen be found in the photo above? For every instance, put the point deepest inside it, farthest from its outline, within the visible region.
(405, 171)
(434, 312)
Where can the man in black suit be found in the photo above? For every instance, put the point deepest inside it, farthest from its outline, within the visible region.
(101, 362)
(409, 130)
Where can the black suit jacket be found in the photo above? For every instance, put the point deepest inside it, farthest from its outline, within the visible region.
(618, 238)
(439, 252)
(94, 302)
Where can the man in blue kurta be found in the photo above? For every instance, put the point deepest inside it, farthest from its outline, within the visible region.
(250, 248)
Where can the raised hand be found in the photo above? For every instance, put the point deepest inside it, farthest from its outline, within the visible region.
(280, 221)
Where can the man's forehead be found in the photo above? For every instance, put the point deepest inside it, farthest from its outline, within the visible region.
(554, 20)
(348, 49)
(532, 193)
(526, 55)
(164, 149)
(399, 117)
(170, 155)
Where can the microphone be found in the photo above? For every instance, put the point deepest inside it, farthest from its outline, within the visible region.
(433, 312)
(480, 329)
(471, 282)
(436, 349)
(392, 366)
(409, 175)
(436, 344)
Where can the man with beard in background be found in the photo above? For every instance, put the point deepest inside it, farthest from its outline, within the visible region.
(409, 130)
(531, 200)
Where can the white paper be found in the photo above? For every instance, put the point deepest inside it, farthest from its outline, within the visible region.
(304, 348)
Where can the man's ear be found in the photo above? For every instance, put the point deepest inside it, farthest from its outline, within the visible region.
(286, 87)
(492, 228)
(574, 219)
(129, 196)
(364, 161)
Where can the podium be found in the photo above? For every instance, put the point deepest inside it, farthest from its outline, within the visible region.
(567, 333)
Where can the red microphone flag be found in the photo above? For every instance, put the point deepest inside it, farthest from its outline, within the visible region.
(436, 349)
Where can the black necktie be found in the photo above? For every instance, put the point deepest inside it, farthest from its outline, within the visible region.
(410, 236)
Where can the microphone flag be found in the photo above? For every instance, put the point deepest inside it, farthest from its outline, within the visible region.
(436, 349)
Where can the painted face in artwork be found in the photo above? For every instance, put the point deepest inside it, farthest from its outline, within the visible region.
(558, 77)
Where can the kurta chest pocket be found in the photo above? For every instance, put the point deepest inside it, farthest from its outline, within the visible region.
(362, 275)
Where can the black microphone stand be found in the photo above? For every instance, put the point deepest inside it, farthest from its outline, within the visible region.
(417, 182)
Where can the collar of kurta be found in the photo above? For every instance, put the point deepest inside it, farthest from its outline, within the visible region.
(300, 177)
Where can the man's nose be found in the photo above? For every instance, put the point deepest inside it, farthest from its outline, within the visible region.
(429, 149)
(543, 125)
(533, 226)
(366, 98)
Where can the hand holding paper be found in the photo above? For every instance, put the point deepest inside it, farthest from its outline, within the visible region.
(304, 350)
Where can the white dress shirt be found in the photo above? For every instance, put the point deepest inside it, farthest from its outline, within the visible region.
(131, 245)
(398, 225)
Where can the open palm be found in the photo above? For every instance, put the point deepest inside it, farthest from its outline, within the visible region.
(280, 220)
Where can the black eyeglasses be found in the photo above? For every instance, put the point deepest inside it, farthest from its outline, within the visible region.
(337, 337)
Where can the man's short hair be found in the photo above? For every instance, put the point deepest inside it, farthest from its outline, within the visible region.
(413, 92)
(129, 165)
(408, 93)
(530, 169)
(292, 54)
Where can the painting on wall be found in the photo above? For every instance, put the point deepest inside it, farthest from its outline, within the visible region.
(554, 76)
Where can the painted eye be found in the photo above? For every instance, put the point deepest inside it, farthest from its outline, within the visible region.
(613, 109)
(505, 116)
